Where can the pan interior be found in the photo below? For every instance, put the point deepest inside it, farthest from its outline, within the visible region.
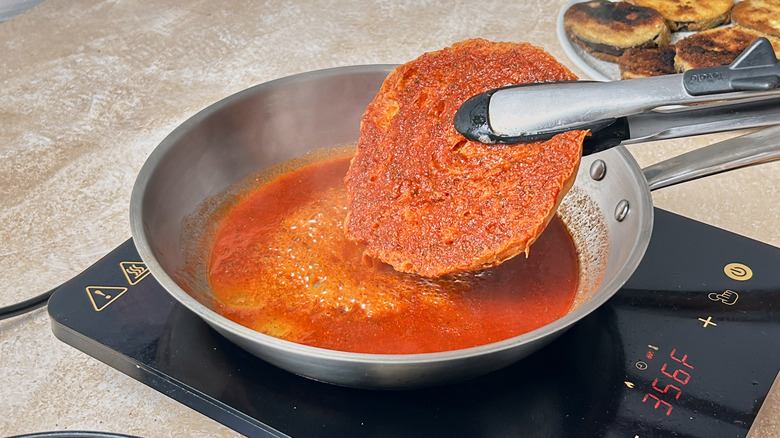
(588, 229)
(579, 212)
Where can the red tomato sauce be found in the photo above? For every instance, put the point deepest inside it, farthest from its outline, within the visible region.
(281, 264)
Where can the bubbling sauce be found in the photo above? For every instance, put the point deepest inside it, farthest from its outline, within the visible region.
(281, 264)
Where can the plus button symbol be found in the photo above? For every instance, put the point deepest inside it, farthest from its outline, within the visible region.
(708, 322)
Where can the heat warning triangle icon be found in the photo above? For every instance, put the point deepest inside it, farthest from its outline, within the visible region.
(134, 271)
(102, 296)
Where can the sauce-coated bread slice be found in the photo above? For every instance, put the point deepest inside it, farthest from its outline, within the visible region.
(426, 200)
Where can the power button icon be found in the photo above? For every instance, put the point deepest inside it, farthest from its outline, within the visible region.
(738, 271)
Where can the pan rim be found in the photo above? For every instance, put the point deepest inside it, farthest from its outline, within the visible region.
(143, 244)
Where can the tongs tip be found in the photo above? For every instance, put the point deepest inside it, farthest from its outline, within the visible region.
(472, 120)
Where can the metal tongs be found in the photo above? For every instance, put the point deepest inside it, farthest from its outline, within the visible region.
(741, 95)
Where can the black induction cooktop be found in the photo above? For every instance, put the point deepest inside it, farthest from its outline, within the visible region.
(689, 347)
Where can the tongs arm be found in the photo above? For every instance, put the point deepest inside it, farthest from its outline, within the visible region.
(534, 112)
(685, 121)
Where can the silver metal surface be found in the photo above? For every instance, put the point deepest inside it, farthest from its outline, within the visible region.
(687, 121)
(285, 118)
(622, 209)
(761, 146)
(598, 169)
(560, 106)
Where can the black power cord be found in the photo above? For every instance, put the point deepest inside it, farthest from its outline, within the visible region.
(26, 306)
(74, 434)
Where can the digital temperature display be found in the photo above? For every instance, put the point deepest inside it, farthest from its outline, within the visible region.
(669, 385)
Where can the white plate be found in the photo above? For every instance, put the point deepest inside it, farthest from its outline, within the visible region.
(596, 69)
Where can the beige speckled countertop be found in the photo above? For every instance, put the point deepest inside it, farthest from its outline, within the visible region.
(89, 87)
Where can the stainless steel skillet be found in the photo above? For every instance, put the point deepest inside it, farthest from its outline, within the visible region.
(609, 211)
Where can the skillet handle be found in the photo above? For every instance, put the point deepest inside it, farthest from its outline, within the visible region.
(762, 146)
